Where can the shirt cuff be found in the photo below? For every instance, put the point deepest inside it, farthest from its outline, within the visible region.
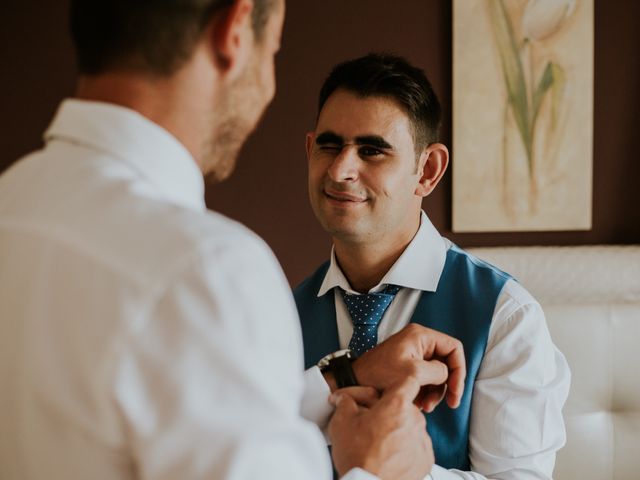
(359, 474)
(439, 473)
(315, 398)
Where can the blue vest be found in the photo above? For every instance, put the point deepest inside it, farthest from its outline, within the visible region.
(462, 307)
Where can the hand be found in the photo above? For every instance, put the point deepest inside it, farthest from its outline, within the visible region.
(432, 359)
(385, 436)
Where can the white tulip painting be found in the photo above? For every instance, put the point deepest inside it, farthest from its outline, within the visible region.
(541, 18)
(522, 115)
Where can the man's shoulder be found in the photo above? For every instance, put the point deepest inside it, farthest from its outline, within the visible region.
(513, 296)
(202, 229)
(112, 222)
(168, 234)
(461, 257)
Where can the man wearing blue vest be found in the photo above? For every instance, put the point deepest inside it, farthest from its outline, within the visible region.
(392, 281)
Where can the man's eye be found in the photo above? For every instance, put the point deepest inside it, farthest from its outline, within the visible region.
(369, 151)
(329, 148)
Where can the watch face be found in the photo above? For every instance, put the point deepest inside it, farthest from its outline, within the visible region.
(324, 361)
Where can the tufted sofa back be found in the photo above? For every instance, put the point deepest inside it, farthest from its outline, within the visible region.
(591, 298)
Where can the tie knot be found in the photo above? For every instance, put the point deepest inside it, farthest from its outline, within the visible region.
(368, 309)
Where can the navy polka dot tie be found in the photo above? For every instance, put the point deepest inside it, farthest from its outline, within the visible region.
(366, 312)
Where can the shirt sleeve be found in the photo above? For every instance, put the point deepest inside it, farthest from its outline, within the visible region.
(516, 413)
(209, 381)
(439, 473)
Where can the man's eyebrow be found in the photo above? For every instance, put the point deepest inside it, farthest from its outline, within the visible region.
(329, 138)
(374, 141)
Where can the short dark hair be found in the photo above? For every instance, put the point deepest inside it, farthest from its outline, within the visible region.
(387, 75)
(155, 36)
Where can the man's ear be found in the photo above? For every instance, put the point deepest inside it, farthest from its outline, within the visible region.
(311, 137)
(432, 164)
(231, 38)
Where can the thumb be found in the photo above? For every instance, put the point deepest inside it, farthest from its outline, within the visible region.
(345, 405)
(363, 396)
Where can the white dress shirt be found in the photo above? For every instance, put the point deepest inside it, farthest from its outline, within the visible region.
(141, 336)
(516, 424)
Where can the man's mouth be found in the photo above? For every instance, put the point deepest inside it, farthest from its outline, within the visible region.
(344, 197)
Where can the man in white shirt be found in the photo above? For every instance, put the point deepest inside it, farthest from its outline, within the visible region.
(142, 336)
(373, 157)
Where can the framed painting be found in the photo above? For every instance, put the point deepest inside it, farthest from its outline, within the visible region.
(522, 115)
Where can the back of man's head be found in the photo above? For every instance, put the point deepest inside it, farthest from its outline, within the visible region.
(152, 36)
(390, 76)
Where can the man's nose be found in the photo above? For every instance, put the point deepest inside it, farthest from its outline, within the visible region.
(344, 167)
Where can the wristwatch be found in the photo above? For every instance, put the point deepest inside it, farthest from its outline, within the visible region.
(339, 363)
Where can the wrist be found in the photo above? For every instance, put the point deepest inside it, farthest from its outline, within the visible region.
(331, 380)
(360, 372)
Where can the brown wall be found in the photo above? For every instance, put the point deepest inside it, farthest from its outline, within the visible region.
(268, 190)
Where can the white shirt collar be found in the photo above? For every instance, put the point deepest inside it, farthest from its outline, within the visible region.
(419, 267)
(132, 138)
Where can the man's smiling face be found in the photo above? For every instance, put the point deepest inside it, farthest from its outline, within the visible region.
(362, 169)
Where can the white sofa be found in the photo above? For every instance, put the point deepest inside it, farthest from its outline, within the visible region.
(591, 297)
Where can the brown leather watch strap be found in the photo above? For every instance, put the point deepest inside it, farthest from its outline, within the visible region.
(342, 371)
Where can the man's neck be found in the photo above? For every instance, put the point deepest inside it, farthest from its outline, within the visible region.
(365, 264)
(178, 103)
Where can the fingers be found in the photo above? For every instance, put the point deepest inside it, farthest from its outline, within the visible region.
(430, 397)
(421, 354)
(345, 405)
(450, 351)
(455, 385)
(453, 356)
(431, 372)
(363, 396)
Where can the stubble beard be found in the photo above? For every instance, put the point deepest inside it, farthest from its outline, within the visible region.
(230, 126)
(222, 150)
(341, 227)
